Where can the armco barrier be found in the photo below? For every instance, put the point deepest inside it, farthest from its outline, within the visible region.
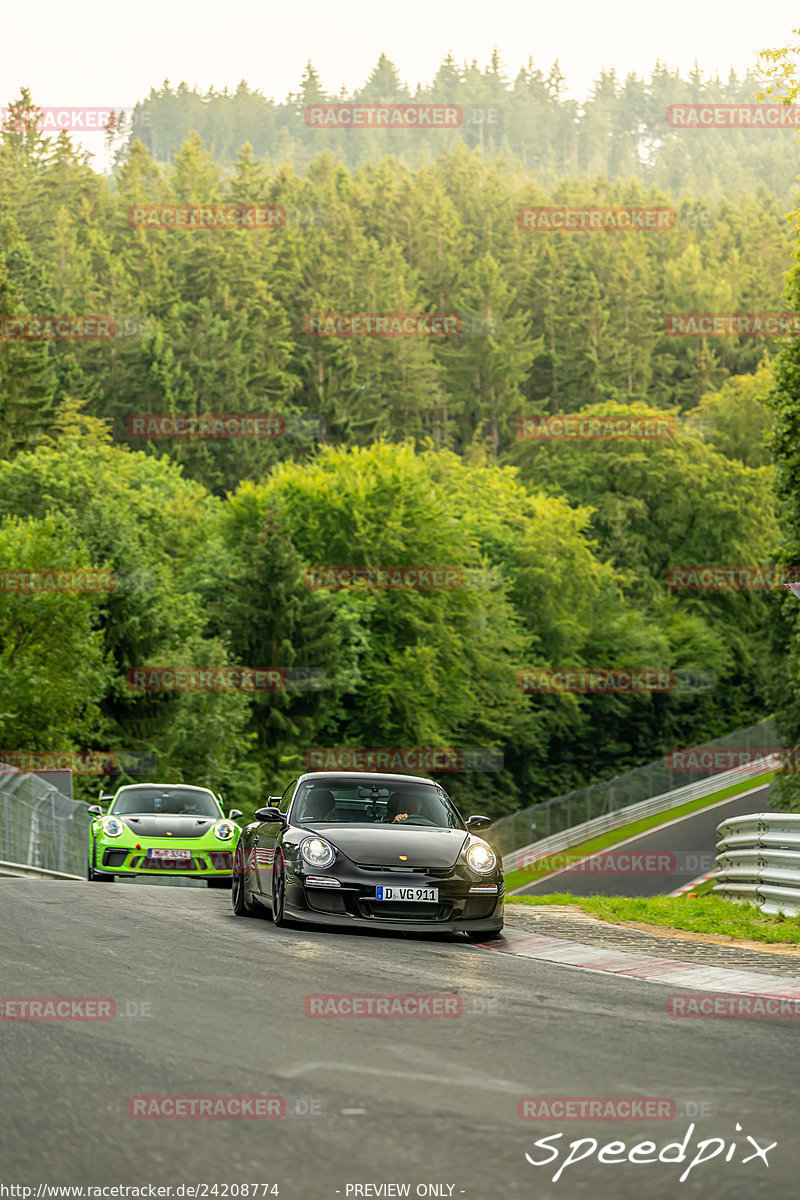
(545, 818)
(634, 812)
(759, 861)
(42, 832)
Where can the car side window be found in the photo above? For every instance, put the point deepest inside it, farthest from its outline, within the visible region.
(286, 798)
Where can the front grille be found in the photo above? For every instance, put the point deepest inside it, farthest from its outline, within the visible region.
(479, 906)
(328, 902)
(438, 872)
(158, 864)
(114, 858)
(387, 911)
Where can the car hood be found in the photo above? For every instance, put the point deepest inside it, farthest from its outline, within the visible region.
(150, 826)
(383, 845)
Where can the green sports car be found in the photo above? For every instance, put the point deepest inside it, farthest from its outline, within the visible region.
(162, 829)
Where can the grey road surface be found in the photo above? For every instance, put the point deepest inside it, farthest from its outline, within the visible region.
(427, 1104)
(655, 863)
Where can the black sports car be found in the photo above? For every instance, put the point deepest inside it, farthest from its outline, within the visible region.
(351, 848)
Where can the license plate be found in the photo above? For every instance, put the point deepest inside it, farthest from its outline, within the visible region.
(412, 894)
(170, 854)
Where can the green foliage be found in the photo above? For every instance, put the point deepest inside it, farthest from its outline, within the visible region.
(409, 454)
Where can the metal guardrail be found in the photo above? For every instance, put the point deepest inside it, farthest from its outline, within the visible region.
(759, 861)
(526, 855)
(41, 831)
(24, 871)
(548, 817)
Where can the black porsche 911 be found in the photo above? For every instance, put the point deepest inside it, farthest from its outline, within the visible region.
(357, 849)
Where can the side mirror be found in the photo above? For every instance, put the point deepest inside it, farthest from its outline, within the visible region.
(269, 814)
(234, 813)
(95, 810)
(476, 824)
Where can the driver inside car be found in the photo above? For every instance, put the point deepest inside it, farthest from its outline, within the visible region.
(400, 808)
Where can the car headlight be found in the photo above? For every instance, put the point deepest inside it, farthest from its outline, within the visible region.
(481, 858)
(317, 852)
(224, 830)
(112, 826)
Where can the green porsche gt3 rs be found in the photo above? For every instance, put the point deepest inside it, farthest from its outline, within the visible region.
(163, 829)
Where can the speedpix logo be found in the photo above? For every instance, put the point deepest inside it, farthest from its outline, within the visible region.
(615, 1153)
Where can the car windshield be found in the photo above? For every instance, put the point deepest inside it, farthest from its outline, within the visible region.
(166, 801)
(328, 800)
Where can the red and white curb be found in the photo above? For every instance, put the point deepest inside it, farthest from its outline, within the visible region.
(641, 966)
(695, 883)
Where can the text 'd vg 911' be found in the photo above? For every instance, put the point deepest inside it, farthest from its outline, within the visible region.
(369, 850)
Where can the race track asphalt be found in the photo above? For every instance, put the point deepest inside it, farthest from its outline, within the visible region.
(657, 862)
(218, 1007)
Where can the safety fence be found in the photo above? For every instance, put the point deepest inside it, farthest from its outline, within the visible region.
(658, 780)
(759, 861)
(41, 830)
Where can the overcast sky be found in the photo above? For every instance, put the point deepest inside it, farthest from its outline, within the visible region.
(98, 55)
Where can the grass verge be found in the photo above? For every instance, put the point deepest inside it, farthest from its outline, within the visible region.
(706, 914)
(519, 878)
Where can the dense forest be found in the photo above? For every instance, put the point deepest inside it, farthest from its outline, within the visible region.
(383, 451)
(622, 131)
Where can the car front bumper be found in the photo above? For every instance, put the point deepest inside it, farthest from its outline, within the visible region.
(206, 862)
(354, 903)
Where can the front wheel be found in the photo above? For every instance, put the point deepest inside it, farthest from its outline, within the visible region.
(97, 876)
(279, 889)
(242, 905)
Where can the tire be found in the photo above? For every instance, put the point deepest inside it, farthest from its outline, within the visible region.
(242, 907)
(220, 883)
(279, 890)
(97, 876)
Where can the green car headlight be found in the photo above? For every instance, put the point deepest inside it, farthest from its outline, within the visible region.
(112, 826)
(224, 830)
(481, 858)
(317, 852)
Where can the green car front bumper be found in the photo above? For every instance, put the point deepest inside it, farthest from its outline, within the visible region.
(208, 857)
